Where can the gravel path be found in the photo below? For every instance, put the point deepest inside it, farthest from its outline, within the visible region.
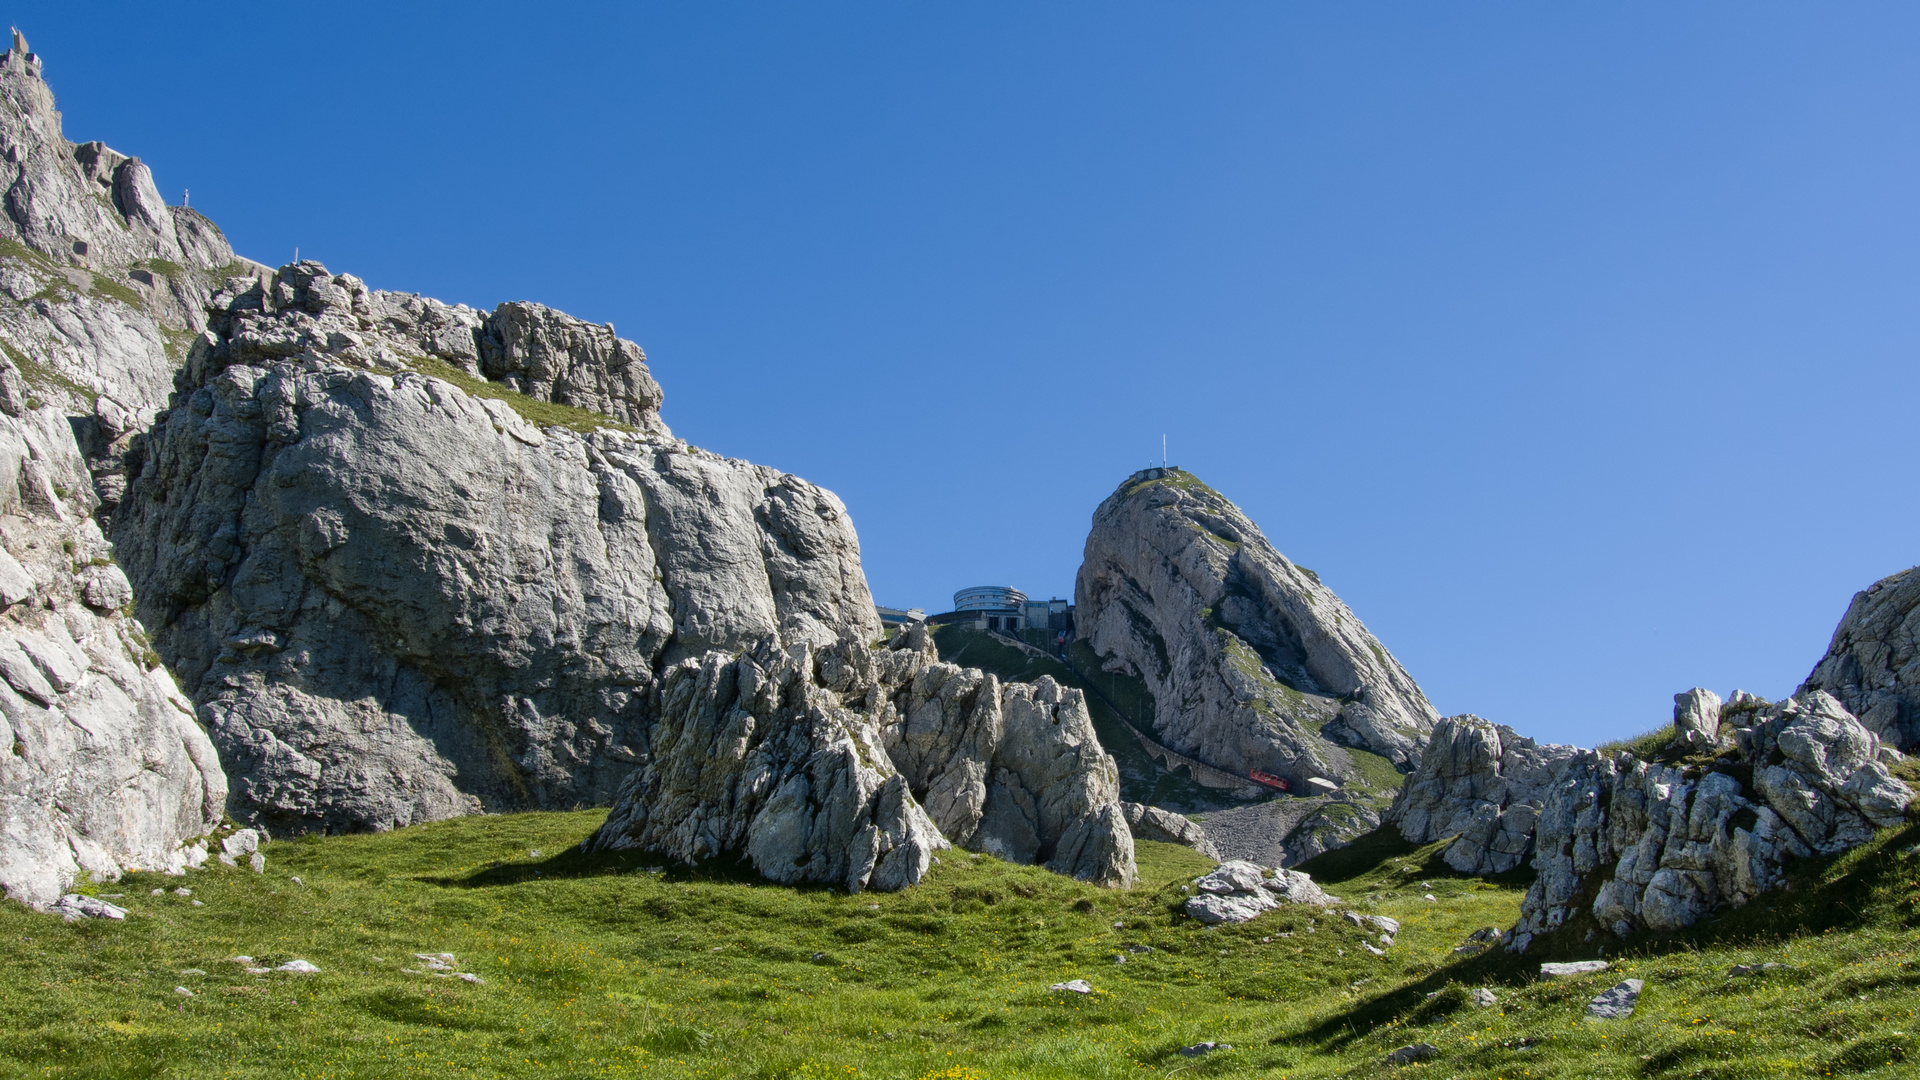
(1254, 833)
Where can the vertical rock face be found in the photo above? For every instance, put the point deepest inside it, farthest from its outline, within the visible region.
(850, 765)
(1252, 663)
(1873, 664)
(104, 768)
(398, 601)
(1660, 846)
(1483, 784)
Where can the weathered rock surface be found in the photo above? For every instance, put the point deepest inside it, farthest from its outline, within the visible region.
(850, 765)
(1661, 846)
(1236, 891)
(398, 601)
(1873, 663)
(100, 281)
(1253, 664)
(106, 770)
(1153, 823)
(1617, 1002)
(1484, 784)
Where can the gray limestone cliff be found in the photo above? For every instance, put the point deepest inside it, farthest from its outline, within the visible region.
(850, 765)
(401, 592)
(100, 281)
(1873, 664)
(1252, 662)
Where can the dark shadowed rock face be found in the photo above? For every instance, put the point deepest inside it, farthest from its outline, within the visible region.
(1873, 664)
(1253, 664)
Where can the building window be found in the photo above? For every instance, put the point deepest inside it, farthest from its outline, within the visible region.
(993, 622)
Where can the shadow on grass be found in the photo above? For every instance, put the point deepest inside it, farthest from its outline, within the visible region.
(1822, 895)
(1386, 855)
(573, 864)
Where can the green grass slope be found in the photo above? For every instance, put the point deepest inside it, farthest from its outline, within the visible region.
(597, 966)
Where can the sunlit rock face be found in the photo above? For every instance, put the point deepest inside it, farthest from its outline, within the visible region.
(1253, 664)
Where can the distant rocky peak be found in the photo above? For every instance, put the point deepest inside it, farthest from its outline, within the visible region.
(1252, 662)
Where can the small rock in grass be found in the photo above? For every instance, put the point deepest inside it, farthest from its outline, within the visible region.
(298, 967)
(239, 959)
(1384, 924)
(470, 977)
(158, 892)
(192, 971)
(259, 971)
(534, 853)
(1432, 900)
(183, 991)
(1119, 958)
(1386, 941)
(1482, 998)
(296, 881)
(1573, 970)
(819, 957)
(1739, 970)
(1371, 949)
(183, 891)
(1407, 1055)
(1197, 1049)
(73, 907)
(1461, 950)
(1353, 917)
(1224, 952)
(1076, 986)
(258, 862)
(197, 903)
(1617, 1003)
(1119, 926)
(1139, 949)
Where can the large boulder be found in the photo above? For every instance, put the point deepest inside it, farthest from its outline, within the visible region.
(850, 765)
(1252, 662)
(1485, 785)
(396, 598)
(1873, 663)
(1660, 846)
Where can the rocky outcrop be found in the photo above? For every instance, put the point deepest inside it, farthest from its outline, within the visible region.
(1873, 664)
(1167, 827)
(1484, 785)
(105, 769)
(1253, 664)
(850, 765)
(1643, 844)
(396, 600)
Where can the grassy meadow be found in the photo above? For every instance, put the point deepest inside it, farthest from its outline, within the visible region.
(597, 966)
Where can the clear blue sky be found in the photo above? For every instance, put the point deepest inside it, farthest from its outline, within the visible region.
(1572, 344)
